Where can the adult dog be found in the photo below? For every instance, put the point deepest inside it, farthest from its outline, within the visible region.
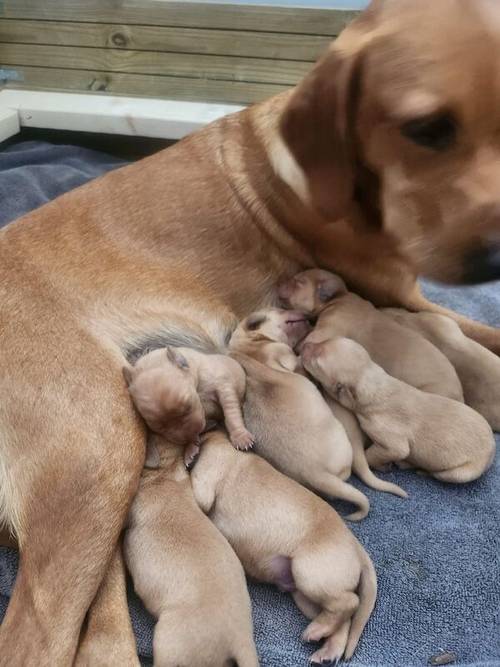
(383, 164)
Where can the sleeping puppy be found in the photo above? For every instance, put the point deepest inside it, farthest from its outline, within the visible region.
(477, 367)
(404, 354)
(186, 573)
(180, 388)
(407, 426)
(358, 440)
(295, 430)
(287, 536)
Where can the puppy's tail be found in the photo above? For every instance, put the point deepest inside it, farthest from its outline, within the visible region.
(335, 487)
(367, 597)
(361, 468)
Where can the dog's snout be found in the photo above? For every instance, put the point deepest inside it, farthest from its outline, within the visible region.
(482, 264)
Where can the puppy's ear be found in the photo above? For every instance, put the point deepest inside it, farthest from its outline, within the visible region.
(176, 357)
(345, 392)
(128, 375)
(328, 288)
(318, 127)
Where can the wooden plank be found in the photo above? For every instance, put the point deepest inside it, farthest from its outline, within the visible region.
(9, 123)
(175, 88)
(225, 68)
(185, 14)
(109, 114)
(281, 46)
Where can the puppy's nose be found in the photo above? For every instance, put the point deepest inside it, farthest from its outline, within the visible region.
(482, 264)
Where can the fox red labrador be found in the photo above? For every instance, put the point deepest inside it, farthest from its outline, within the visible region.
(382, 164)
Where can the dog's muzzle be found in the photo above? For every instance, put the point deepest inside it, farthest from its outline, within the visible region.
(482, 265)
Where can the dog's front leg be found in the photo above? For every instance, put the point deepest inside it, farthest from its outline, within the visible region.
(481, 333)
(73, 466)
(108, 639)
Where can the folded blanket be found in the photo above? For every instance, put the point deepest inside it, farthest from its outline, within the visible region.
(437, 554)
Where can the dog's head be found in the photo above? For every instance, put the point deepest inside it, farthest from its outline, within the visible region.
(401, 118)
(164, 392)
(309, 291)
(272, 324)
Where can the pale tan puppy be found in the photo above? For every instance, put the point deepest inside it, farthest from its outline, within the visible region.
(186, 573)
(295, 429)
(179, 388)
(358, 441)
(404, 354)
(287, 536)
(407, 426)
(477, 367)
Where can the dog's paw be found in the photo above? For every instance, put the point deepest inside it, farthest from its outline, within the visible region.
(242, 440)
(191, 454)
(325, 656)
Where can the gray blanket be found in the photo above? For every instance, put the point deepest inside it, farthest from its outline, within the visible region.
(437, 554)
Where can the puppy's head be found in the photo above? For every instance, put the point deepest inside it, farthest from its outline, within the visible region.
(164, 393)
(340, 365)
(310, 290)
(273, 324)
(400, 119)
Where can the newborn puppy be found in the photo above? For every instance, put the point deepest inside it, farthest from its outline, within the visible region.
(407, 426)
(289, 537)
(186, 573)
(294, 428)
(177, 389)
(358, 440)
(477, 367)
(404, 354)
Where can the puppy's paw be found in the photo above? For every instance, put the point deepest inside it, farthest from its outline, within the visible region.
(242, 440)
(191, 454)
(315, 632)
(325, 656)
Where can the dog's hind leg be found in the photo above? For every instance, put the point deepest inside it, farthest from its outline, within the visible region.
(108, 638)
(74, 450)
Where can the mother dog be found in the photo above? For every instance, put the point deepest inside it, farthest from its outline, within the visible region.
(383, 163)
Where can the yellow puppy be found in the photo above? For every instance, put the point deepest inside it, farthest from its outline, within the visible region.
(477, 367)
(408, 426)
(286, 535)
(404, 354)
(295, 430)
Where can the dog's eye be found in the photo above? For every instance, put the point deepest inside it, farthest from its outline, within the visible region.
(437, 132)
(255, 322)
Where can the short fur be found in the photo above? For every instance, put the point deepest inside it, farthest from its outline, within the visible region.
(186, 573)
(288, 536)
(477, 367)
(412, 428)
(404, 354)
(294, 428)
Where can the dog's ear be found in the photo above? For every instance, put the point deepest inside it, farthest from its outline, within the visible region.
(176, 357)
(128, 375)
(330, 287)
(317, 127)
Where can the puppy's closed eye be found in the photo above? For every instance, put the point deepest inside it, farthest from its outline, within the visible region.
(437, 132)
(177, 358)
(254, 322)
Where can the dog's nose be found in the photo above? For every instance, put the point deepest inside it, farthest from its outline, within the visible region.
(482, 264)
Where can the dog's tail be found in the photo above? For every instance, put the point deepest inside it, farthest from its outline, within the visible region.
(336, 488)
(361, 468)
(367, 597)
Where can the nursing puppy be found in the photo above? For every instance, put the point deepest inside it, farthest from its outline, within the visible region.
(402, 353)
(286, 535)
(179, 388)
(294, 428)
(477, 367)
(186, 573)
(407, 426)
